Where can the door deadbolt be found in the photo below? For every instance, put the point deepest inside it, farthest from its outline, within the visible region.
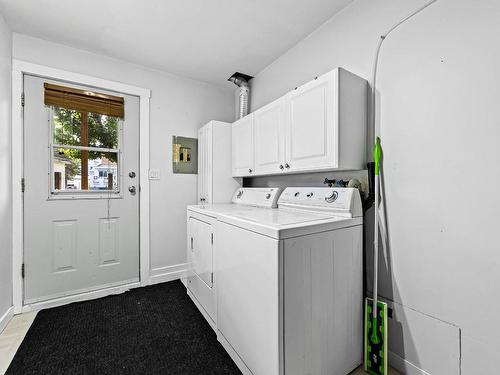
(131, 174)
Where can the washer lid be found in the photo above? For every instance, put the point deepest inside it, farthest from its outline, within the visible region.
(285, 222)
(281, 217)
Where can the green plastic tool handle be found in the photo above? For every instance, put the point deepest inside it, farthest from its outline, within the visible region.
(377, 153)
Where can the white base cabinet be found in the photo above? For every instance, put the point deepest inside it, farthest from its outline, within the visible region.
(215, 181)
(321, 125)
(200, 254)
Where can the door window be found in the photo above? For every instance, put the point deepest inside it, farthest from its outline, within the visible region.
(85, 136)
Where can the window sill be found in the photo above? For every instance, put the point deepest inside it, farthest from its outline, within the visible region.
(84, 195)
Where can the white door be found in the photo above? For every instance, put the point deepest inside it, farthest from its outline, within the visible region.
(242, 147)
(311, 127)
(269, 138)
(81, 226)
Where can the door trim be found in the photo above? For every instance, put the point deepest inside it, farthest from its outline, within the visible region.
(19, 69)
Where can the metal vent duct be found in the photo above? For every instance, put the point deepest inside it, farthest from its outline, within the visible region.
(241, 80)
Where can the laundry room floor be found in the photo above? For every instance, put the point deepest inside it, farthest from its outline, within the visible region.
(146, 330)
(151, 330)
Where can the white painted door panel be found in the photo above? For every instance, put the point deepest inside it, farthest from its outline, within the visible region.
(269, 138)
(311, 127)
(243, 147)
(247, 273)
(76, 245)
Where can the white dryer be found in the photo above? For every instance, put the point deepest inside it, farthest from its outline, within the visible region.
(289, 284)
(201, 243)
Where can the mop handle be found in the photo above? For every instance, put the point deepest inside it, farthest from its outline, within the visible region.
(377, 153)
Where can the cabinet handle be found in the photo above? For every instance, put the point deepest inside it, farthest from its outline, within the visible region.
(249, 170)
(287, 165)
(281, 166)
(191, 243)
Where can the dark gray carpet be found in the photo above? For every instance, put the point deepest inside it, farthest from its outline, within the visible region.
(152, 330)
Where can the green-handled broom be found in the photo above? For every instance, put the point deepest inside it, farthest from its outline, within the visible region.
(376, 311)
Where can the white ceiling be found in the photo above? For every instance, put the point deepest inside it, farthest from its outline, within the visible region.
(206, 40)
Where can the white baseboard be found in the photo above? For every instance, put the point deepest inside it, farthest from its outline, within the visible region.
(80, 297)
(404, 366)
(169, 273)
(6, 317)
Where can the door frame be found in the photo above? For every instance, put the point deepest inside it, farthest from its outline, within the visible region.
(19, 69)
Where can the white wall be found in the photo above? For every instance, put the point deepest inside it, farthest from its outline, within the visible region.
(5, 161)
(439, 90)
(179, 106)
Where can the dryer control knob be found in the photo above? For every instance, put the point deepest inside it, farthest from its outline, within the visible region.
(331, 196)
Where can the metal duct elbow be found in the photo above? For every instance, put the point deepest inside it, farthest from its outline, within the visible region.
(241, 80)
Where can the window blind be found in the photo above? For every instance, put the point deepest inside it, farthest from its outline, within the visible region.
(84, 100)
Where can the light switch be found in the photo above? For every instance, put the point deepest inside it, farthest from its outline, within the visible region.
(154, 174)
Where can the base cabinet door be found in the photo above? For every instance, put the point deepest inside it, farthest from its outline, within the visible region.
(269, 138)
(243, 147)
(311, 126)
(200, 260)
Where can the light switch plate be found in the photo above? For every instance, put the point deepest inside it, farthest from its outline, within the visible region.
(154, 174)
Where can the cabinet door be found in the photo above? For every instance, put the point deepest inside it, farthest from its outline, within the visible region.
(201, 165)
(269, 138)
(200, 249)
(205, 164)
(311, 127)
(243, 147)
(207, 155)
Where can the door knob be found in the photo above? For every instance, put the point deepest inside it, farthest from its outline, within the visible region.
(281, 166)
(249, 170)
(287, 165)
(131, 189)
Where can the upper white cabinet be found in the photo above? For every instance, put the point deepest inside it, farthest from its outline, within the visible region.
(320, 125)
(311, 130)
(269, 138)
(243, 147)
(215, 181)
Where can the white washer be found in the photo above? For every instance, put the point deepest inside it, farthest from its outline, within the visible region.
(289, 284)
(201, 244)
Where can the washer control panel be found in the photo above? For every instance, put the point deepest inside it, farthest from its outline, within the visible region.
(341, 201)
(260, 197)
